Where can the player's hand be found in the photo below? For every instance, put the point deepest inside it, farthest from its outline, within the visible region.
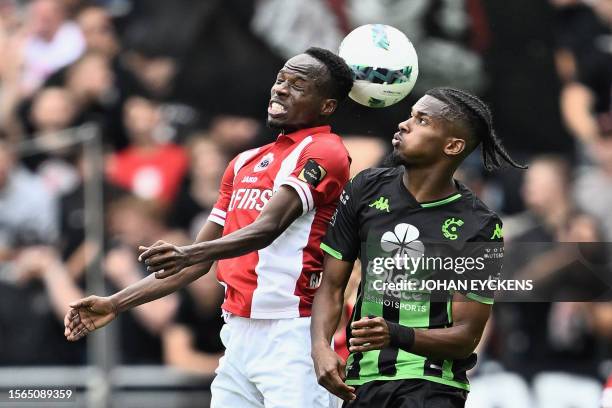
(164, 259)
(369, 333)
(329, 368)
(87, 315)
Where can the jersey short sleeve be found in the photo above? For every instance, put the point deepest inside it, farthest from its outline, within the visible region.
(342, 238)
(219, 211)
(487, 251)
(321, 171)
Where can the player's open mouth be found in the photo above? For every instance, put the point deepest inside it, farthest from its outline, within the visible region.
(397, 139)
(275, 109)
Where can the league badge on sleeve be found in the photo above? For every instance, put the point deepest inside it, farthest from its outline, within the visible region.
(312, 173)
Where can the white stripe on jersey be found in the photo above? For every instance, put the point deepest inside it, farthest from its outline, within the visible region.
(243, 158)
(304, 187)
(279, 267)
(280, 264)
(287, 167)
(216, 220)
(219, 213)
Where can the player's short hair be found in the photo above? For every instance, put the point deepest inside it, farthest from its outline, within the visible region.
(477, 117)
(340, 74)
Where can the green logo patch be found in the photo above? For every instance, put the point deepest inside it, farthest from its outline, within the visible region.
(381, 204)
(498, 233)
(450, 227)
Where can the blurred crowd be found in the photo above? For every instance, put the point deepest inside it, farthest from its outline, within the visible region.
(176, 89)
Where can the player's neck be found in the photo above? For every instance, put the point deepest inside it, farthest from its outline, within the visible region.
(426, 184)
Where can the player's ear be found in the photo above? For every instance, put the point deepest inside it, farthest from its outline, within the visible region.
(454, 146)
(328, 107)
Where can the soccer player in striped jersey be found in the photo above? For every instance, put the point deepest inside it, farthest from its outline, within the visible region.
(411, 345)
(274, 206)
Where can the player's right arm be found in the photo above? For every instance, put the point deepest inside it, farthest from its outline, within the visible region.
(94, 312)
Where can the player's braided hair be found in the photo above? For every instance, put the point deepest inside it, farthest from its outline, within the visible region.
(477, 115)
(340, 74)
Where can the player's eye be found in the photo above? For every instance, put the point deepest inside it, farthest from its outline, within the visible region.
(423, 121)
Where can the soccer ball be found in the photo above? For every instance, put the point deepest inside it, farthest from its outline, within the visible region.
(384, 63)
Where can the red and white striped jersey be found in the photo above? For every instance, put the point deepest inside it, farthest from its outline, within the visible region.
(280, 280)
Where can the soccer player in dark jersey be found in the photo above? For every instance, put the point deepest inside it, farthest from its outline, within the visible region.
(411, 345)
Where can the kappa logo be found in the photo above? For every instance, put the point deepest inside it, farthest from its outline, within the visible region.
(403, 240)
(498, 233)
(381, 204)
(265, 162)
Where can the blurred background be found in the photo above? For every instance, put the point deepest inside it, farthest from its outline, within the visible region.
(118, 117)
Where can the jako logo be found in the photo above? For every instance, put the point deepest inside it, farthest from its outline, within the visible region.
(403, 240)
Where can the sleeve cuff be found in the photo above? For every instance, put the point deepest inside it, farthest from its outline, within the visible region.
(480, 299)
(217, 216)
(303, 191)
(331, 251)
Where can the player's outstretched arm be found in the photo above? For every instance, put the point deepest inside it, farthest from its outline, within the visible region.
(455, 342)
(283, 208)
(326, 313)
(92, 313)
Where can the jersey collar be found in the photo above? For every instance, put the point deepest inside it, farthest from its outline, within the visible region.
(461, 190)
(299, 135)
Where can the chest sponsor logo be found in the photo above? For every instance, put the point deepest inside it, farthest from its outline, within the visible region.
(403, 240)
(249, 199)
(265, 162)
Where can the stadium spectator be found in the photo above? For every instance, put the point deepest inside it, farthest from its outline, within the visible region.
(234, 134)
(594, 187)
(586, 101)
(53, 43)
(192, 341)
(98, 31)
(535, 336)
(39, 287)
(28, 212)
(103, 75)
(198, 192)
(133, 221)
(150, 167)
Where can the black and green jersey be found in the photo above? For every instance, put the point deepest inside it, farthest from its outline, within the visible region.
(414, 256)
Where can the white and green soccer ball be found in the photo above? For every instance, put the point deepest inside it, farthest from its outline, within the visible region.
(384, 63)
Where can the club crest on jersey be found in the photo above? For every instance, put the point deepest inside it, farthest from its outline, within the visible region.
(265, 162)
(312, 173)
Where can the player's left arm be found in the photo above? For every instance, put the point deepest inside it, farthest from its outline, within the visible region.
(455, 342)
